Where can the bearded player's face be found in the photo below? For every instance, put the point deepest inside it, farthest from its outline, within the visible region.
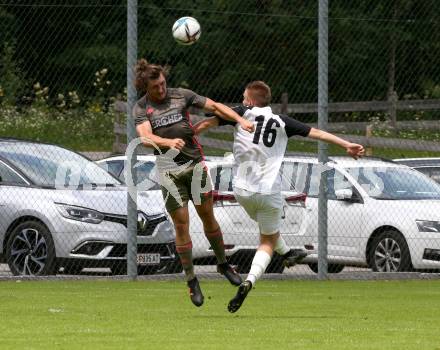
(157, 89)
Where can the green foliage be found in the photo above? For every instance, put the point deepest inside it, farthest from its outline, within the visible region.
(271, 40)
(81, 130)
(12, 81)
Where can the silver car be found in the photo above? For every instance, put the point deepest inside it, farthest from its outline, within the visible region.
(59, 209)
(240, 232)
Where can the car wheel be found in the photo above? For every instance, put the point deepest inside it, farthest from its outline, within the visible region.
(244, 264)
(389, 253)
(30, 250)
(276, 264)
(332, 268)
(172, 267)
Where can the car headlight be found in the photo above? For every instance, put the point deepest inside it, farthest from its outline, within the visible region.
(80, 214)
(428, 226)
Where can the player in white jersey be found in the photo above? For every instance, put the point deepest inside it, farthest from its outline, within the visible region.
(256, 178)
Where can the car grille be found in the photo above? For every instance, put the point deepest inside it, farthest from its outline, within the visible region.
(165, 249)
(143, 229)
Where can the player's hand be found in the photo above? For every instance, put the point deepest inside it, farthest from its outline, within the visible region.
(176, 143)
(247, 125)
(355, 150)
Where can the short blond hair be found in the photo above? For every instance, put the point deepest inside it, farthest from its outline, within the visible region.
(260, 92)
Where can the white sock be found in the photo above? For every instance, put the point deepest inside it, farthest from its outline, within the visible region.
(259, 264)
(281, 246)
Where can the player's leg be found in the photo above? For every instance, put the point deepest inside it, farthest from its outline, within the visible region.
(270, 220)
(262, 257)
(180, 219)
(269, 223)
(215, 237)
(260, 262)
(201, 194)
(178, 210)
(268, 215)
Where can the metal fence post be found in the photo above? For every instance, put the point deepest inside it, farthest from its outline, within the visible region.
(132, 7)
(322, 146)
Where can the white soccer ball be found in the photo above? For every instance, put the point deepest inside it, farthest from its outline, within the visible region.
(186, 30)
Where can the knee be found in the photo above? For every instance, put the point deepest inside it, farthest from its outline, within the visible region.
(208, 219)
(210, 223)
(269, 240)
(181, 227)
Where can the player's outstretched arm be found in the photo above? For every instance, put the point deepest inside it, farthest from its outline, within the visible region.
(353, 149)
(150, 140)
(205, 124)
(227, 113)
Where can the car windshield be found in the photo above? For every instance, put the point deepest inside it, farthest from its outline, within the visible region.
(393, 183)
(146, 175)
(53, 166)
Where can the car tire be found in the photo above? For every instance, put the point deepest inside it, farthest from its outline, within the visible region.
(389, 252)
(332, 268)
(30, 250)
(245, 263)
(276, 264)
(172, 267)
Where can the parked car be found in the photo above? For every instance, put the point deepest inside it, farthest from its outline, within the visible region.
(428, 166)
(240, 232)
(59, 209)
(381, 215)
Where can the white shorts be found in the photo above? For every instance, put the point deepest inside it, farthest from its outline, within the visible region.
(266, 209)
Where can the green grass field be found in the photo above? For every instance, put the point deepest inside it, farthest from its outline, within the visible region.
(276, 315)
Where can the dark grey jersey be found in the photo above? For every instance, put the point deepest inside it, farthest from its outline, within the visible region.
(170, 120)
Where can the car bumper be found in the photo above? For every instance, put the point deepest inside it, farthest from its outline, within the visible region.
(425, 250)
(107, 240)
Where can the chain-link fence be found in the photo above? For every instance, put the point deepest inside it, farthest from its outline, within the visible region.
(63, 87)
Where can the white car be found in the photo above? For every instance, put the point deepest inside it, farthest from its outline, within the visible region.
(240, 232)
(59, 209)
(428, 166)
(380, 214)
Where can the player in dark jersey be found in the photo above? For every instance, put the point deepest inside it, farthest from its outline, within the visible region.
(260, 194)
(162, 121)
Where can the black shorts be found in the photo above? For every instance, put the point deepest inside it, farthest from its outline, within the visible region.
(194, 183)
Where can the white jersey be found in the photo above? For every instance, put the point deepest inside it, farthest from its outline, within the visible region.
(258, 155)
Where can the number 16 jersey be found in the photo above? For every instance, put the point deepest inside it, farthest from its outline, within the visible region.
(258, 155)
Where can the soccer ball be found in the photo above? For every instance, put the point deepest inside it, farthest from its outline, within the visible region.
(186, 30)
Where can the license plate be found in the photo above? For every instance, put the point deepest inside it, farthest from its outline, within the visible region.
(148, 259)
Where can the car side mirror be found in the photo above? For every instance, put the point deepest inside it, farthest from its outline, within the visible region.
(347, 194)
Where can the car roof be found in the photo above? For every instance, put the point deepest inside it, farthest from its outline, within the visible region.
(150, 157)
(419, 162)
(344, 161)
(143, 157)
(25, 141)
(348, 162)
